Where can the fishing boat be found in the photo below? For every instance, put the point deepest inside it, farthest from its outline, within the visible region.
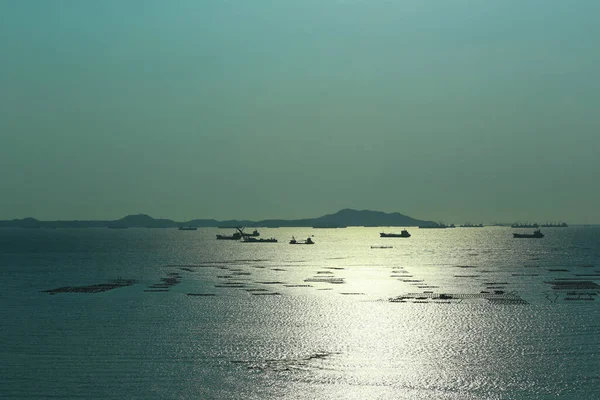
(307, 241)
(188, 228)
(404, 234)
(535, 235)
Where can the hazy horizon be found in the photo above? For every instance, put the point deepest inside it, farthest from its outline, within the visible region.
(455, 111)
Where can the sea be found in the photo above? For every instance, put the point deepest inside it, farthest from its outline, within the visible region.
(463, 313)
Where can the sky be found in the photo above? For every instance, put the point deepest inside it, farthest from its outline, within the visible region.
(452, 111)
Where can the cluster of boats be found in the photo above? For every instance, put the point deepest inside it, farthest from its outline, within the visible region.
(253, 238)
(439, 225)
(240, 234)
(525, 225)
(470, 225)
(535, 225)
(307, 241)
(250, 239)
(555, 225)
(404, 233)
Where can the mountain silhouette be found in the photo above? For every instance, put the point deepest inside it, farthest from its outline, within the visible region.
(143, 221)
(342, 218)
(349, 217)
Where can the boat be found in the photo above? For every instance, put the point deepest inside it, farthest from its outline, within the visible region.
(536, 234)
(250, 239)
(404, 233)
(235, 236)
(307, 241)
(188, 228)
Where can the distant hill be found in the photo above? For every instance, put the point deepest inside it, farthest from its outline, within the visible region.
(342, 218)
(143, 221)
(349, 217)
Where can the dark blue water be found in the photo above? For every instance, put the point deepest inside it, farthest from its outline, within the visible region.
(338, 319)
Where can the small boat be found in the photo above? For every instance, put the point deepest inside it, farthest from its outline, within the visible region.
(188, 228)
(250, 239)
(307, 241)
(536, 234)
(235, 236)
(404, 233)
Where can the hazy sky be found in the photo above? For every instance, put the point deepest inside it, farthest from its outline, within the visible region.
(446, 110)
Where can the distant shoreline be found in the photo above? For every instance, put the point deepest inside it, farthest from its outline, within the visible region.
(341, 219)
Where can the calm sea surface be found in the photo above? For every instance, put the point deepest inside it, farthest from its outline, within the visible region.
(464, 313)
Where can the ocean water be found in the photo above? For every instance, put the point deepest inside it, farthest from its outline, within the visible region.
(341, 319)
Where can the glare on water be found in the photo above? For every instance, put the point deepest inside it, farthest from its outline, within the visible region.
(452, 314)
